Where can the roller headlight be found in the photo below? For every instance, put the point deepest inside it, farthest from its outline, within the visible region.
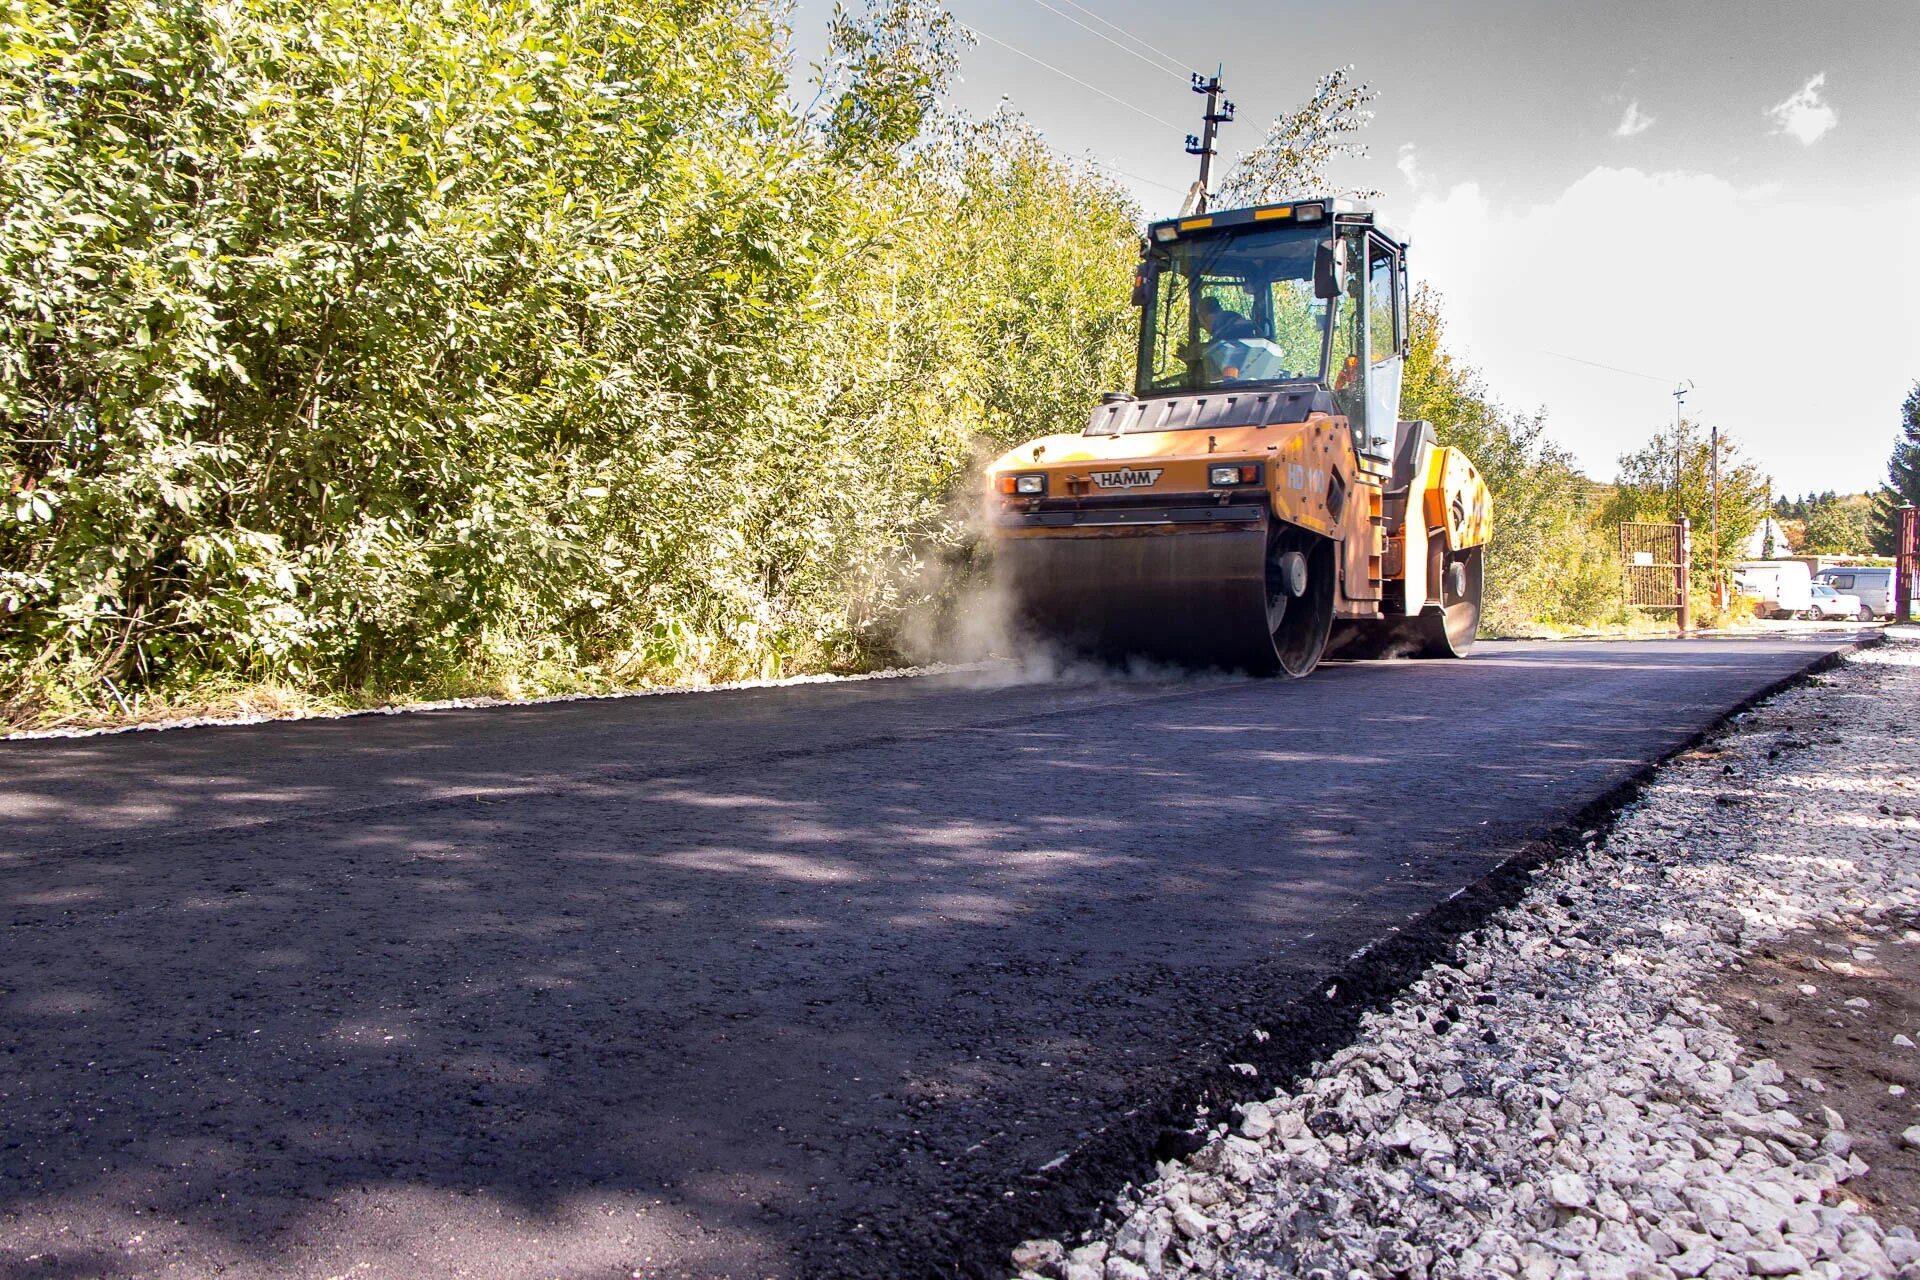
(1032, 485)
(1238, 473)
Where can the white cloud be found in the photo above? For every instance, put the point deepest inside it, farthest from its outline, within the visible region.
(1680, 275)
(1633, 122)
(1804, 115)
(1409, 166)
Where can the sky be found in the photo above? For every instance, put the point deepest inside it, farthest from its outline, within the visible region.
(1722, 192)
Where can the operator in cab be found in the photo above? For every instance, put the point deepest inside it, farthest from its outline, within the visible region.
(1223, 323)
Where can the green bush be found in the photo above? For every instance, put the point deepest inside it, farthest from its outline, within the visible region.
(400, 347)
(364, 350)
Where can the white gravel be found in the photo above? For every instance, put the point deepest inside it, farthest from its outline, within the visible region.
(1559, 1100)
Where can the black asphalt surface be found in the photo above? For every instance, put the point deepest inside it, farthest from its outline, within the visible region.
(820, 980)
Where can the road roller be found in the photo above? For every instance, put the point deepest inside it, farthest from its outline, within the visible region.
(1255, 502)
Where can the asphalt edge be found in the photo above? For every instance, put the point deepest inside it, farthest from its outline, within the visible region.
(1073, 1194)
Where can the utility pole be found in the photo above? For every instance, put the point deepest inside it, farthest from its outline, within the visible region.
(1713, 472)
(1679, 439)
(1219, 112)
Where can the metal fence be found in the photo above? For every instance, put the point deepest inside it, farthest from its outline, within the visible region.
(1656, 559)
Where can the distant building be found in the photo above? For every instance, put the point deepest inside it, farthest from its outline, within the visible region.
(1757, 548)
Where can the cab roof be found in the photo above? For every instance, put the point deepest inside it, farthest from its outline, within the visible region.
(1305, 211)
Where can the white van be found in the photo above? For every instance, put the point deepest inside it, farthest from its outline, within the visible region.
(1872, 583)
(1780, 588)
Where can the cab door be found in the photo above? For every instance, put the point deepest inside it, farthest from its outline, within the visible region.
(1384, 333)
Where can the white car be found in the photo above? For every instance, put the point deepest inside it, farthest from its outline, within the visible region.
(1828, 603)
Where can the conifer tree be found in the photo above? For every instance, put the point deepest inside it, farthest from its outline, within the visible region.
(1903, 476)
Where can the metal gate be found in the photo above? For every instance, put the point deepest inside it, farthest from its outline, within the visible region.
(1656, 559)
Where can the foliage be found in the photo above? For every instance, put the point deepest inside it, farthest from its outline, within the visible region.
(1292, 159)
(1671, 476)
(1903, 477)
(406, 347)
(357, 350)
(1828, 523)
(883, 70)
(1789, 508)
(1547, 563)
(1838, 526)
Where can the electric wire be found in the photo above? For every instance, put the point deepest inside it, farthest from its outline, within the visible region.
(1116, 169)
(1172, 61)
(1613, 369)
(1085, 157)
(1092, 88)
(1181, 76)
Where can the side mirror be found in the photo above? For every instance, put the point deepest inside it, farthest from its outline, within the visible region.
(1330, 269)
(1140, 285)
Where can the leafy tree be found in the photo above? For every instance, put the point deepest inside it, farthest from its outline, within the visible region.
(1292, 159)
(884, 69)
(1671, 476)
(506, 345)
(511, 345)
(1903, 477)
(1838, 526)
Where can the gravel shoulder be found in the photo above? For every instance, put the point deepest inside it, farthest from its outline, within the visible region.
(1839, 1008)
(1625, 1074)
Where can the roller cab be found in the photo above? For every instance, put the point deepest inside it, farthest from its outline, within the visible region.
(1255, 501)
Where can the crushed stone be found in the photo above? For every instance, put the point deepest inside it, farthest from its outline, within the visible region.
(1561, 1099)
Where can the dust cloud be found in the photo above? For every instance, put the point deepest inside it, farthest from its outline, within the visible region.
(959, 616)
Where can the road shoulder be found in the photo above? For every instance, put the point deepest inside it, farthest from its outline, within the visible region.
(1579, 1090)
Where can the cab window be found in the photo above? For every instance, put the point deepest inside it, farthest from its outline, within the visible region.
(1343, 369)
(1383, 310)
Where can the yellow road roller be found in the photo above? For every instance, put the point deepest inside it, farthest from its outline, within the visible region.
(1255, 502)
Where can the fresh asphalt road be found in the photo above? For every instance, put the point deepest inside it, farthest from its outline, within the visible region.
(802, 981)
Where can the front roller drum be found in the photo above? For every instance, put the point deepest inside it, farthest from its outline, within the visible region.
(1247, 599)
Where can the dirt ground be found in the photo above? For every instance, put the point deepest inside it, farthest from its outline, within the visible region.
(1797, 1001)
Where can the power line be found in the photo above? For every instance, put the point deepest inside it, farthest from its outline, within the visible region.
(1172, 61)
(1131, 53)
(1092, 88)
(1114, 168)
(1088, 158)
(1070, 157)
(1612, 369)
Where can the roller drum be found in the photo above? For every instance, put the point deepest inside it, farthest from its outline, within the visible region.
(1192, 597)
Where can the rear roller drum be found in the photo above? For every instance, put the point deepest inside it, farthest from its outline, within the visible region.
(1449, 631)
(1300, 579)
(1446, 630)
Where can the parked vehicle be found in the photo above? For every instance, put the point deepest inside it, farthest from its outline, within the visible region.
(1780, 588)
(1828, 603)
(1872, 583)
